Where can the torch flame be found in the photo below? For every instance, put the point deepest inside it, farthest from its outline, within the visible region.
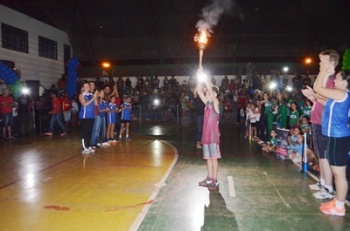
(202, 37)
(202, 40)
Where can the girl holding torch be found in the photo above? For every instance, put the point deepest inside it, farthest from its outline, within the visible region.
(211, 133)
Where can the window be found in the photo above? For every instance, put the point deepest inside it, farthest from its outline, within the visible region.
(14, 38)
(47, 48)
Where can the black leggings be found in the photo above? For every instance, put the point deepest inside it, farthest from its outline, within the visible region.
(86, 131)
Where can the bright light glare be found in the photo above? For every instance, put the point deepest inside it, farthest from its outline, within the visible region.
(273, 85)
(285, 69)
(106, 64)
(201, 77)
(289, 88)
(308, 60)
(25, 91)
(156, 102)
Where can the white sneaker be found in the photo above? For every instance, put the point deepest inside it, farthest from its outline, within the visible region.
(98, 144)
(91, 150)
(316, 187)
(85, 151)
(105, 144)
(324, 194)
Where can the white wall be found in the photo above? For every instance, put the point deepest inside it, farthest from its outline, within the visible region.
(33, 67)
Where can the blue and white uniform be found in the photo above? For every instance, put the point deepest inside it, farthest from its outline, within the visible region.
(126, 112)
(102, 106)
(335, 117)
(335, 127)
(88, 111)
(112, 116)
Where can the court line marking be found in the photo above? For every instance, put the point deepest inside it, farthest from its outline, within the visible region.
(42, 170)
(137, 223)
(231, 186)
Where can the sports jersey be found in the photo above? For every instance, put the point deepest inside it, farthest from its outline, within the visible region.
(87, 112)
(335, 117)
(102, 106)
(126, 112)
(112, 115)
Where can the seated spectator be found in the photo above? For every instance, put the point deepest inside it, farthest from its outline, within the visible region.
(270, 146)
(296, 152)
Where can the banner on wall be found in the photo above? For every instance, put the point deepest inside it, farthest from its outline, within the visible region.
(282, 144)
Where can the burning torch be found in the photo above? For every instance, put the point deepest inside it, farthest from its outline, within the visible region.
(201, 39)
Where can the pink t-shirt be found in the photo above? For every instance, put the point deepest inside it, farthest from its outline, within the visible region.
(317, 108)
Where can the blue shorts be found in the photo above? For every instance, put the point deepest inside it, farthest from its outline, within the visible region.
(7, 119)
(111, 119)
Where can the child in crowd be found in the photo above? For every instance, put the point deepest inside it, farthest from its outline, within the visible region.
(296, 149)
(293, 134)
(111, 119)
(248, 113)
(125, 118)
(75, 109)
(305, 127)
(294, 115)
(101, 132)
(253, 119)
(270, 146)
(296, 152)
(306, 108)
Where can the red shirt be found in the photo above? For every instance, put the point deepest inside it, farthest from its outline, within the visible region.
(66, 104)
(242, 102)
(6, 103)
(56, 106)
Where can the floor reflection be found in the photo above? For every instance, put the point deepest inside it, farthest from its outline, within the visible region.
(216, 215)
(336, 222)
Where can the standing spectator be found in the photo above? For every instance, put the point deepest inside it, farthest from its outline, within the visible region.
(16, 129)
(249, 72)
(256, 82)
(268, 117)
(184, 107)
(56, 116)
(120, 85)
(74, 110)
(87, 116)
(66, 106)
(111, 120)
(242, 104)
(335, 127)
(99, 129)
(24, 109)
(128, 84)
(283, 111)
(296, 81)
(155, 82)
(294, 115)
(126, 118)
(319, 141)
(6, 104)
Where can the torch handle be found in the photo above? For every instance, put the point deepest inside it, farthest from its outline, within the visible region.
(200, 58)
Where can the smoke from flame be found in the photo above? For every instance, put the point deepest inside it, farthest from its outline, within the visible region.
(212, 13)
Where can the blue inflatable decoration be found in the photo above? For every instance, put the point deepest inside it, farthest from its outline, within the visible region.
(72, 66)
(7, 74)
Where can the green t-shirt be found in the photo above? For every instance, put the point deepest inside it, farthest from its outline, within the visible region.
(293, 118)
